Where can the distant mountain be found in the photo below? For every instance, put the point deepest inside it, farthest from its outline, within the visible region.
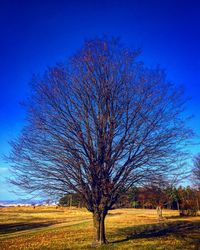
(7, 203)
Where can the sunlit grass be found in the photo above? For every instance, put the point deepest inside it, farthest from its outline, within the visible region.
(72, 229)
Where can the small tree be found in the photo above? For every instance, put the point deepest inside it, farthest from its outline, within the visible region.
(133, 196)
(71, 200)
(98, 126)
(154, 194)
(173, 197)
(188, 201)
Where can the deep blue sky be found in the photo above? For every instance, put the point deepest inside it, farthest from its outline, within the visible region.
(37, 34)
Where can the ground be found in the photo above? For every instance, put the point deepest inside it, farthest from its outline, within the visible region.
(64, 228)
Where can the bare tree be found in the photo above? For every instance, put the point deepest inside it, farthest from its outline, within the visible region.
(157, 192)
(97, 126)
(196, 170)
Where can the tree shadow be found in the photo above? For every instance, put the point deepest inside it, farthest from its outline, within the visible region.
(16, 227)
(184, 230)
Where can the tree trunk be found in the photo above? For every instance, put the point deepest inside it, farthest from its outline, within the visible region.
(178, 207)
(197, 205)
(99, 228)
(70, 201)
(159, 212)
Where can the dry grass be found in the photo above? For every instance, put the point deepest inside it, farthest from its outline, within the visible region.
(63, 228)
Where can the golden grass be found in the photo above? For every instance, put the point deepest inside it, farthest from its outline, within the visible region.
(64, 228)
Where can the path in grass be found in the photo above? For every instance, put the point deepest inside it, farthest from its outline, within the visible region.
(42, 229)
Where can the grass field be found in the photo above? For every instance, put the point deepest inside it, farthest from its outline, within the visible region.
(64, 228)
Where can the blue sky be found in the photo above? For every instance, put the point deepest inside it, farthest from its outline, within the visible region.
(37, 34)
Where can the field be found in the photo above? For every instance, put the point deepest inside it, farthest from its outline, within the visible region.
(64, 228)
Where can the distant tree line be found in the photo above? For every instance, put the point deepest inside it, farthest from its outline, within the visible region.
(184, 199)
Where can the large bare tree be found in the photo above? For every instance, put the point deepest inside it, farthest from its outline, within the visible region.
(98, 125)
